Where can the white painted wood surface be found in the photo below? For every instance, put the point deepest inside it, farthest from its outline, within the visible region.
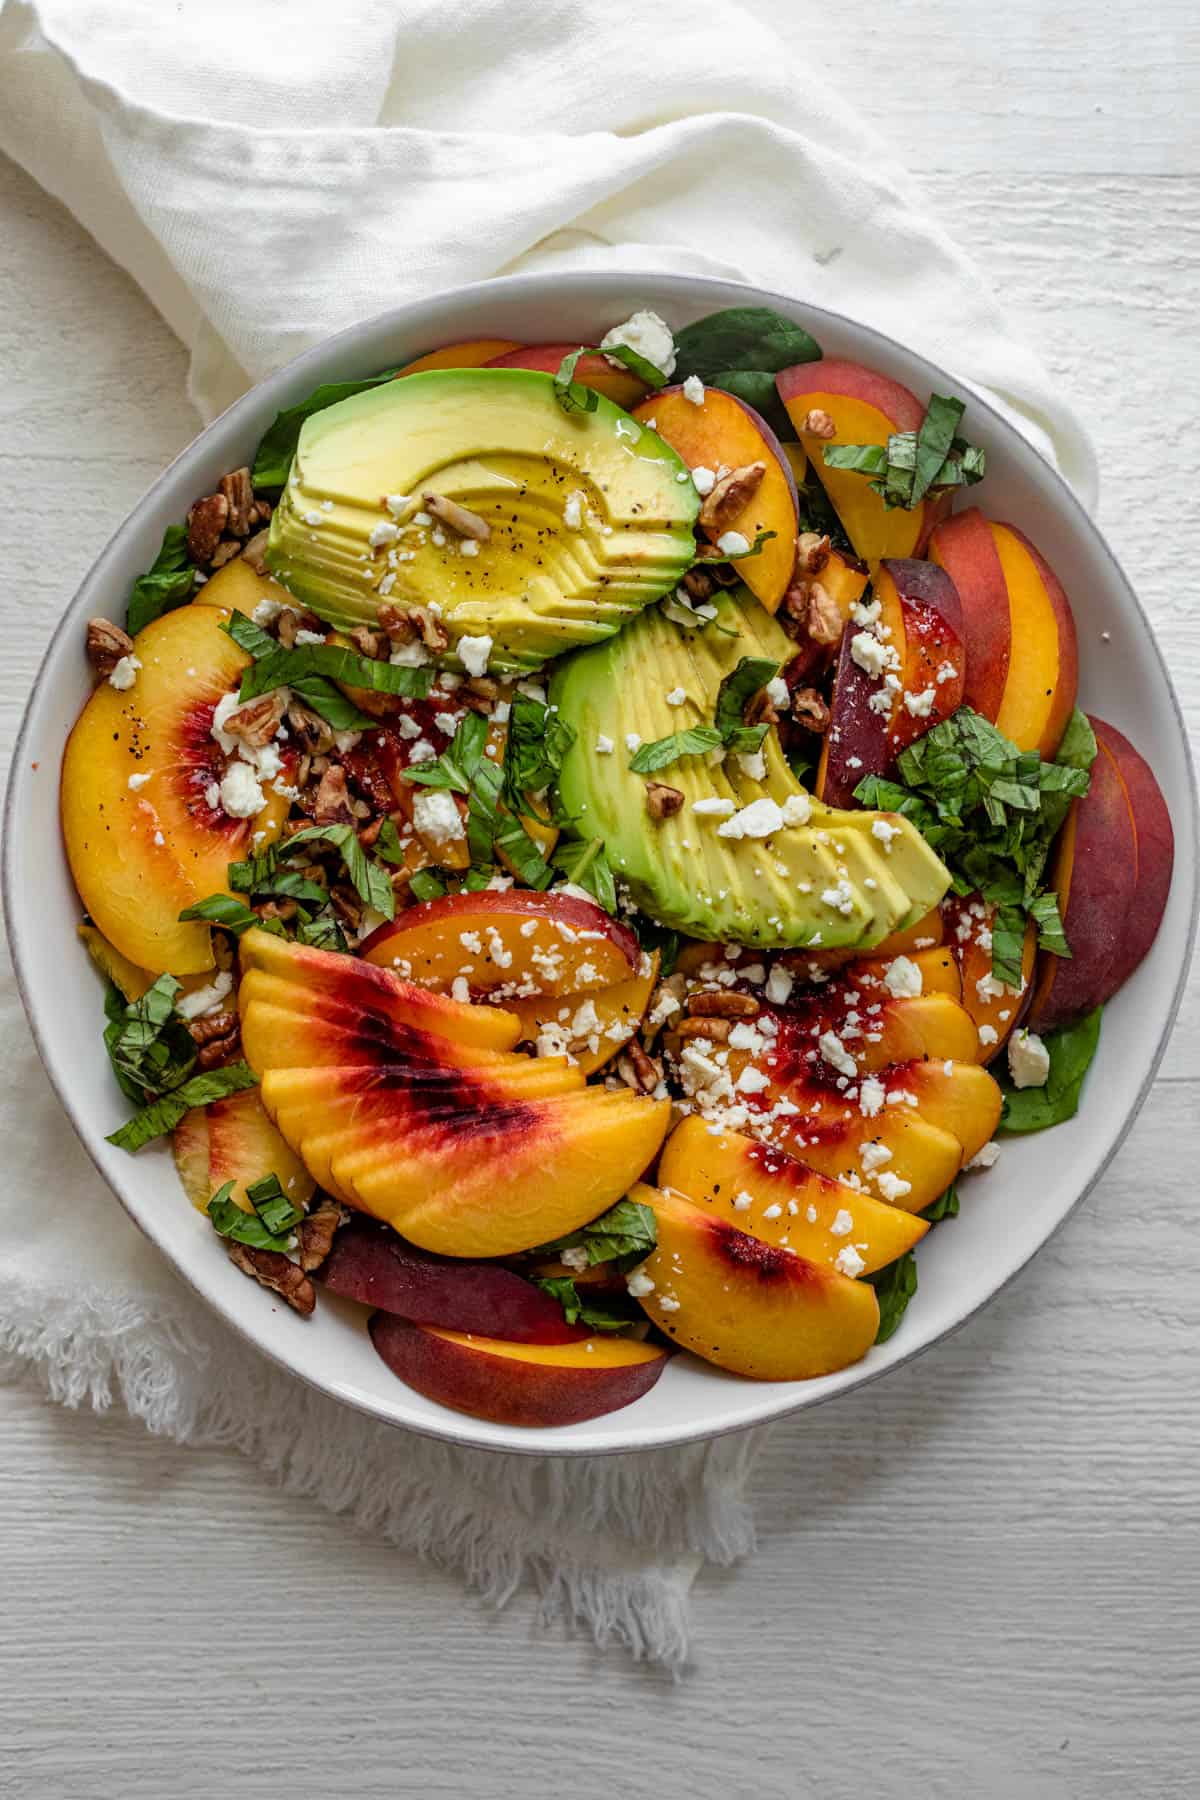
(981, 1577)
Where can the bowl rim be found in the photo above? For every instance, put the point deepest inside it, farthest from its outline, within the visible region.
(458, 1428)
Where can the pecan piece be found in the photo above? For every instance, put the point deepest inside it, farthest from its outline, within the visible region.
(810, 711)
(225, 552)
(312, 733)
(823, 618)
(205, 523)
(257, 721)
(272, 1269)
(333, 799)
(106, 645)
(218, 1038)
(662, 802)
(254, 552)
(730, 494)
(239, 497)
(698, 584)
(715, 1030)
(290, 622)
(722, 1005)
(461, 519)
(817, 423)
(316, 1233)
(347, 905)
(812, 552)
(373, 644)
(637, 1070)
(408, 624)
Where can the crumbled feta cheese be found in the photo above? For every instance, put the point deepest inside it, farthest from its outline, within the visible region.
(632, 741)
(902, 978)
(946, 672)
(410, 656)
(985, 1157)
(777, 691)
(268, 610)
(205, 1000)
(460, 990)
(693, 390)
(797, 809)
(920, 705)
(732, 543)
(551, 1040)
(753, 764)
(384, 533)
(848, 1261)
(885, 831)
(397, 504)
(835, 1053)
(872, 1156)
(774, 1211)
(892, 1187)
(241, 791)
(987, 1035)
(473, 653)
(843, 1223)
(647, 335)
(668, 1303)
(604, 745)
(758, 820)
(871, 1096)
(676, 697)
(139, 781)
(712, 807)
(841, 897)
(638, 1283)
(704, 480)
(436, 817)
(743, 1202)
(447, 723)
(124, 673)
(752, 1080)
(1028, 1059)
(309, 637)
(871, 656)
(407, 728)
(779, 985)
(575, 1257)
(573, 510)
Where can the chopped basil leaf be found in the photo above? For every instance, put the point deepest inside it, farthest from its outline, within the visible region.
(1071, 1052)
(387, 843)
(250, 637)
(577, 1311)
(248, 1228)
(571, 395)
(944, 1207)
(458, 765)
(640, 366)
(1051, 935)
(322, 933)
(626, 1230)
(231, 915)
(163, 1115)
(525, 858)
(934, 438)
(693, 741)
(277, 1212)
(737, 690)
(370, 883)
(425, 885)
(483, 808)
(741, 337)
(536, 743)
(167, 583)
(914, 463)
(476, 880)
(583, 862)
(273, 457)
(894, 1288)
(148, 1044)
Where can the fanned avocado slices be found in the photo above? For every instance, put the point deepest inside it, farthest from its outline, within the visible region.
(838, 879)
(588, 515)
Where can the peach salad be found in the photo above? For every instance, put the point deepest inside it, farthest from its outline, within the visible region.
(588, 845)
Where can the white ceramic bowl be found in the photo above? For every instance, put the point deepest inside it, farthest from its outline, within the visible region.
(1007, 1214)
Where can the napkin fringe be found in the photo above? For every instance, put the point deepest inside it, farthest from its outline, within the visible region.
(609, 1545)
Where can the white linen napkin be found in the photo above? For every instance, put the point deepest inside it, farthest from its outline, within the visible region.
(269, 174)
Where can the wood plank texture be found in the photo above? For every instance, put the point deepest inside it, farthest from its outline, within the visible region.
(981, 1577)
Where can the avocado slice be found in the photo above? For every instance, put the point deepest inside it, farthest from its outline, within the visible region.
(590, 513)
(682, 870)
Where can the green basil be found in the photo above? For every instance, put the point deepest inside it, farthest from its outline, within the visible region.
(627, 1230)
(148, 1044)
(738, 689)
(914, 463)
(583, 862)
(164, 1114)
(578, 1311)
(277, 1211)
(231, 915)
(370, 883)
(572, 395)
(694, 740)
(638, 365)
(248, 1228)
(425, 885)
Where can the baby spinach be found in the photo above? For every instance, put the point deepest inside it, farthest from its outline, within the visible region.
(167, 583)
(1071, 1051)
(626, 1232)
(580, 1311)
(894, 1288)
(741, 338)
(273, 458)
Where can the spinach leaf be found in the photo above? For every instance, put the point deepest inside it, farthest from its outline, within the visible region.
(739, 338)
(572, 395)
(946, 1206)
(167, 583)
(595, 1314)
(273, 458)
(164, 1114)
(756, 387)
(626, 1230)
(894, 1288)
(1071, 1052)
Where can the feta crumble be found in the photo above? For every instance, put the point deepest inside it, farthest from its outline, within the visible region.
(693, 390)
(902, 978)
(124, 673)
(848, 1261)
(704, 480)
(205, 1000)
(733, 543)
(473, 653)
(436, 817)
(1028, 1059)
(648, 336)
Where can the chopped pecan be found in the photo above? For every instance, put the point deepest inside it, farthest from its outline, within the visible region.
(276, 909)
(205, 523)
(272, 1269)
(481, 685)
(333, 800)
(662, 802)
(698, 584)
(823, 618)
(812, 552)
(239, 496)
(373, 644)
(260, 512)
(347, 905)
(408, 624)
(225, 552)
(476, 703)
(637, 1070)
(761, 709)
(106, 645)
(257, 721)
(254, 552)
(311, 732)
(730, 494)
(722, 1005)
(290, 622)
(316, 1233)
(368, 833)
(715, 1030)
(810, 711)
(461, 519)
(817, 423)
(218, 1039)
(675, 986)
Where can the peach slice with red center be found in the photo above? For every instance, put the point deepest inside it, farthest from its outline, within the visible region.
(232, 1139)
(141, 838)
(473, 354)
(724, 432)
(1022, 655)
(864, 407)
(775, 1197)
(749, 1306)
(592, 370)
(370, 1264)
(507, 942)
(995, 1009)
(1112, 873)
(518, 1384)
(595, 1024)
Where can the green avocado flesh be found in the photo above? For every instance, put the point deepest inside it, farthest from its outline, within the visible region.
(497, 442)
(766, 891)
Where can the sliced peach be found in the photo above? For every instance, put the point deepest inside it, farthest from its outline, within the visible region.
(866, 408)
(724, 432)
(518, 1384)
(910, 940)
(125, 975)
(471, 355)
(233, 1140)
(597, 1024)
(349, 982)
(370, 1264)
(958, 1097)
(593, 370)
(507, 941)
(1155, 844)
(239, 587)
(749, 1306)
(995, 1011)
(141, 854)
(774, 1197)
(831, 1139)
(965, 547)
(938, 968)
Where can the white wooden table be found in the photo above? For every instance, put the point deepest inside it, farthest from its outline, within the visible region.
(981, 1577)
